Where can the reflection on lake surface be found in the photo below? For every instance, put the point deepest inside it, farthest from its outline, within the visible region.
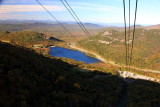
(72, 54)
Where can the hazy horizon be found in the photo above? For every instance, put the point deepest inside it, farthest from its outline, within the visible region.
(94, 11)
(104, 24)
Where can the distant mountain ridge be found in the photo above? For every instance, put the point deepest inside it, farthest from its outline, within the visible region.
(52, 28)
(100, 24)
(43, 22)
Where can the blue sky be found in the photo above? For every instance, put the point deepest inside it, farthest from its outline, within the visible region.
(104, 11)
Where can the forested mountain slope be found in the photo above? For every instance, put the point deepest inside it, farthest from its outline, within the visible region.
(146, 52)
(29, 79)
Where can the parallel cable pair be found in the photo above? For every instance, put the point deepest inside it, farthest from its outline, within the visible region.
(129, 54)
(79, 22)
(59, 22)
(131, 58)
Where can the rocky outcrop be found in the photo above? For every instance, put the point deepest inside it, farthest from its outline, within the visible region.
(107, 33)
(104, 42)
(126, 74)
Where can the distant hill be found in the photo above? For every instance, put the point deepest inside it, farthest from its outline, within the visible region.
(146, 53)
(154, 27)
(92, 25)
(26, 38)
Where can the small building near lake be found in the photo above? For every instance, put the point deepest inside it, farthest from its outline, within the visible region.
(37, 46)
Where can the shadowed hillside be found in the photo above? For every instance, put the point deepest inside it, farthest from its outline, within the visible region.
(28, 79)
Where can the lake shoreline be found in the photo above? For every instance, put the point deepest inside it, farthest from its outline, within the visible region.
(96, 55)
(111, 62)
(76, 55)
(73, 47)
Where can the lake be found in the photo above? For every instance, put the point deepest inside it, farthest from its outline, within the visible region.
(72, 54)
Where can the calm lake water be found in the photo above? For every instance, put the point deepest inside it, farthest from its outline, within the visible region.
(72, 54)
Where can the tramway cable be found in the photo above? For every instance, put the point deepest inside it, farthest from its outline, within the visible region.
(132, 46)
(124, 7)
(79, 22)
